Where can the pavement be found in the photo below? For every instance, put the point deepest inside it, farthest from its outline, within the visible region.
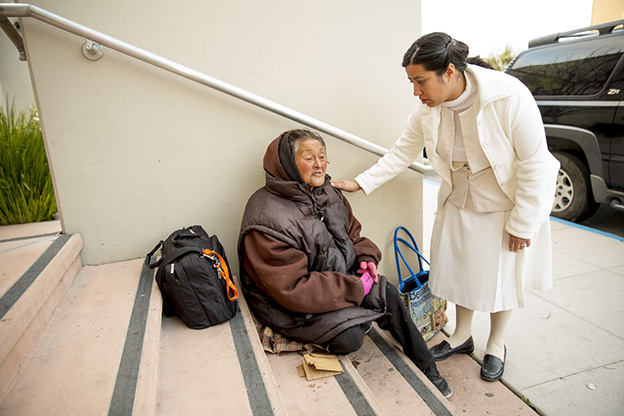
(565, 349)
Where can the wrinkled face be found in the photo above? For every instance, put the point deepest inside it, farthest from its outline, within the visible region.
(312, 162)
(432, 89)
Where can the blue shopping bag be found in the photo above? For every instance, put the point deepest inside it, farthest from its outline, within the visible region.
(427, 311)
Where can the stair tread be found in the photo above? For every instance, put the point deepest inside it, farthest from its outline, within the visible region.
(30, 293)
(301, 397)
(17, 256)
(199, 355)
(199, 369)
(73, 365)
(28, 230)
(473, 395)
(392, 390)
(384, 387)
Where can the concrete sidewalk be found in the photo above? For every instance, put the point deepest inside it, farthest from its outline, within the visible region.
(565, 350)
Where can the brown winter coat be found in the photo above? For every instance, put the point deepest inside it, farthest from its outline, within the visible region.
(299, 252)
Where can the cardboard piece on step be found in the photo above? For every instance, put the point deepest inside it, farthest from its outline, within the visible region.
(317, 366)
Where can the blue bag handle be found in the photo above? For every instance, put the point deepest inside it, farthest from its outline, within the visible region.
(414, 277)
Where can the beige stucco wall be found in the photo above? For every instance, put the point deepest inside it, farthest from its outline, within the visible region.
(604, 11)
(137, 152)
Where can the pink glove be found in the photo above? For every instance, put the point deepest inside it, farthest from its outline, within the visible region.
(367, 281)
(371, 268)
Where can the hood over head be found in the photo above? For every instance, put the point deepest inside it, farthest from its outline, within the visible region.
(279, 162)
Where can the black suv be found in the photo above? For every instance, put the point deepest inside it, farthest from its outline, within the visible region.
(577, 79)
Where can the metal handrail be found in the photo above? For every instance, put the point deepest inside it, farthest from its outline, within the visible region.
(28, 10)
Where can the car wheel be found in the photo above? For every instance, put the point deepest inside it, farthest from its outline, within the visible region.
(574, 200)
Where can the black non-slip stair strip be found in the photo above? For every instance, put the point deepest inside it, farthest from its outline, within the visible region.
(256, 391)
(358, 401)
(124, 393)
(28, 237)
(23, 283)
(430, 399)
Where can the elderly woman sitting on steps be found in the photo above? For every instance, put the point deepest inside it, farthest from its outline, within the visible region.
(306, 271)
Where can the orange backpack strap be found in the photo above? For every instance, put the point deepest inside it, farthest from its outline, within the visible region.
(222, 268)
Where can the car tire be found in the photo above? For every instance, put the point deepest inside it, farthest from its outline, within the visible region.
(574, 200)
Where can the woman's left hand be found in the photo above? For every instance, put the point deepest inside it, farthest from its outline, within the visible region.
(369, 267)
(516, 243)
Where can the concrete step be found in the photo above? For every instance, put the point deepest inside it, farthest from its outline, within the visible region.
(400, 386)
(98, 352)
(378, 379)
(344, 394)
(471, 394)
(221, 368)
(37, 271)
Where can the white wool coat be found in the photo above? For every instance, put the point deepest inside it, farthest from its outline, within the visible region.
(510, 132)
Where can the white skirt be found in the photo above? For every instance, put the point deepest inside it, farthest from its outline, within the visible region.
(471, 264)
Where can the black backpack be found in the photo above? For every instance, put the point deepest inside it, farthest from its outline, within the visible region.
(193, 278)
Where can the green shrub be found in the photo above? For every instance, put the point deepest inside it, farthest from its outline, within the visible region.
(500, 60)
(26, 191)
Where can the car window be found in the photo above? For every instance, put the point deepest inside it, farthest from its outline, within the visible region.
(578, 68)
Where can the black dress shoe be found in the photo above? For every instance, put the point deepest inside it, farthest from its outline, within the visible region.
(492, 367)
(443, 350)
(434, 376)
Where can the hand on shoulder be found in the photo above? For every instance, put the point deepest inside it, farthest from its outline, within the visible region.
(347, 186)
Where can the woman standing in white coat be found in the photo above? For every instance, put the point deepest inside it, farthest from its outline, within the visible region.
(491, 237)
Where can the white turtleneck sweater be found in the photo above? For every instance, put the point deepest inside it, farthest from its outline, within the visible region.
(458, 105)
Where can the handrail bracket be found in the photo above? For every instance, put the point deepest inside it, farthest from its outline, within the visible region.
(14, 36)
